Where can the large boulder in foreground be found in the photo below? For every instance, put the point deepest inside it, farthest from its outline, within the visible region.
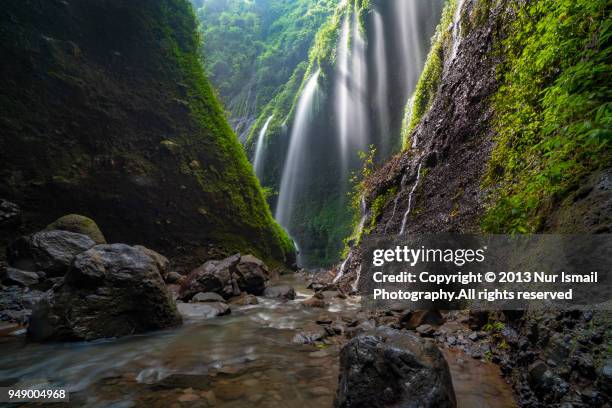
(48, 251)
(393, 368)
(79, 224)
(228, 277)
(110, 291)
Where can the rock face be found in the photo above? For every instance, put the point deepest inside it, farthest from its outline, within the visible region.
(393, 369)
(165, 169)
(48, 251)
(110, 290)
(79, 224)
(228, 277)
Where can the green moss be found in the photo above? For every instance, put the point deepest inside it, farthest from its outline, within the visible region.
(553, 111)
(429, 81)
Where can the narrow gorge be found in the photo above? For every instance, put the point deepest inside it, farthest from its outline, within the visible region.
(190, 193)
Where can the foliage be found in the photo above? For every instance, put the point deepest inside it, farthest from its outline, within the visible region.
(553, 109)
(428, 83)
(251, 48)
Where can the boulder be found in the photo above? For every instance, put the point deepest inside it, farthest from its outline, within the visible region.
(174, 277)
(110, 291)
(251, 275)
(18, 277)
(392, 368)
(196, 311)
(163, 264)
(213, 276)
(207, 298)
(48, 251)
(79, 224)
(280, 292)
(10, 214)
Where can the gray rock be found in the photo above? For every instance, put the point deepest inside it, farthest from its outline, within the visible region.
(207, 297)
(10, 214)
(196, 311)
(213, 276)
(79, 224)
(48, 251)
(251, 275)
(163, 264)
(280, 292)
(393, 369)
(18, 277)
(244, 300)
(425, 330)
(110, 291)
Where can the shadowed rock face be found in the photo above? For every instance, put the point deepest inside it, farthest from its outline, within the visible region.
(110, 290)
(393, 369)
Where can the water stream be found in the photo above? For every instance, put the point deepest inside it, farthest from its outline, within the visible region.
(457, 29)
(297, 155)
(259, 149)
(407, 213)
(382, 102)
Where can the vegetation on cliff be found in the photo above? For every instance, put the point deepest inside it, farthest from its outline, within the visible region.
(553, 109)
(107, 112)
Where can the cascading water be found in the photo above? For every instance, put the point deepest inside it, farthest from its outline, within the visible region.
(296, 157)
(259, 149)
(382, 102)
(412, 53)
(351, 91)
(457, 29)
(407, 213)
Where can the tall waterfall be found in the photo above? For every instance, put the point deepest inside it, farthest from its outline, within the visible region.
(259, 149)
(351, 91)
(296, 156)
(406, 13)
(382, 101)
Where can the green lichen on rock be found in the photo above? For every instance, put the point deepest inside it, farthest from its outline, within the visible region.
(114, 117)
(79, 224)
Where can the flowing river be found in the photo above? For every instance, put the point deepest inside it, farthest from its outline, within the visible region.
(249, 358)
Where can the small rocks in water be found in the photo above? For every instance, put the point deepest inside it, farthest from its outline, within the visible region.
(12, 276)
(474, 336)
(228, 277)
(207, 297)
(425, 330)
(48, 251)
(111, 290)
(318, 300)
(393, 368)
(280, 292)
(308, 337)
(79, 224)
(195, 311)
(244, 300)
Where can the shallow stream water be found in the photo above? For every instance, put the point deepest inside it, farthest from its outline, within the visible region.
(246, 359)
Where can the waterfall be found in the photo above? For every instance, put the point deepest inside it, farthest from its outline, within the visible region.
(296, 156)
(457, 29)
(259, 150)
(382, 102)
(416, 184)
(406, 12)
(342, 268)
(397, 197)
(351, 91)
(355, 285)
(342, 92)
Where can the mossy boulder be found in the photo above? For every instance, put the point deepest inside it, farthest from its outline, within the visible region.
(79, 224)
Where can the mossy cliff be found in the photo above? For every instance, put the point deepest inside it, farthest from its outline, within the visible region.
(106, 112)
